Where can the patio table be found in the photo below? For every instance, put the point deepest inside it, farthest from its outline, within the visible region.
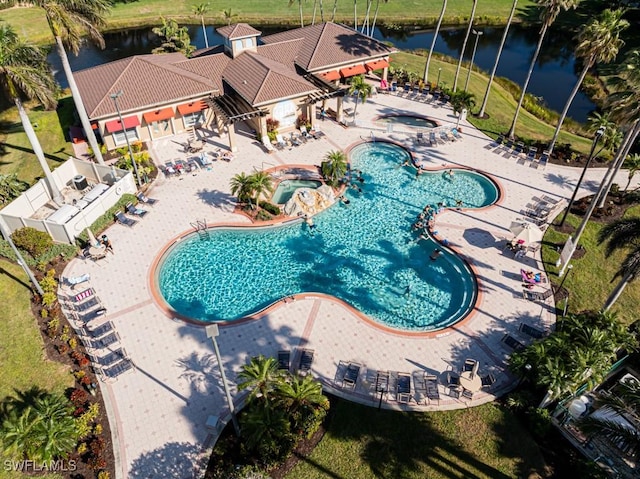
(470, 381)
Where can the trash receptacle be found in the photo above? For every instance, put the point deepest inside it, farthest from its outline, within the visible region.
(80, 182)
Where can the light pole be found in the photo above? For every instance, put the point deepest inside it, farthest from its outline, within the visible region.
(381, 390)
(438, 82)
(114, 97)
(19, 258)
(596, 138)
(213, 333)
(477, 33)
(564, 278)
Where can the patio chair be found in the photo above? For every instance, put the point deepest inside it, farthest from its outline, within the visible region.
(382, 382)
(146, 200)
(132, 210)
(280, 142)
(124, 220)
(87, 305)
(267, 144)
(488, 380)
(116, 370)
(295, 140)
(453, 384)
(467, 393)
(90, 315)
(544, 159)
(512, 342)
(306, 361)
(100, 330)
(469, 365)
(284, 360)
(519, 149)
(431, 383)
(531, 331)
(110, 358)
(403, 388)
(533, 151)
(537, 295)
(494, 143)
(72, 282)
(341, 370)
(432, 138)
(456, 134)
(420, 137)
(103, 342)
(351, 375)
(82, 296)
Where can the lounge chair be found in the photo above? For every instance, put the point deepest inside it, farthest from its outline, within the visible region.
(536, 295)
(431, 383)
(432, 138)
(512, 342)
(304, 132)
(456, 134)
(544, 159)
(116, 370)
(341, 370)
(110, 358)
(103, 342)
(351, 375)
(82, 296)
(488, 380)
(518, 151)
(87, 305)
(294, 140)
(101, 330)
(403, 388)
(382, 382)
(316, 132)
(171, 168)
(146, 200)
(90, 315)
(280, 142)
(76, 280)
(267, 144)
(306, 361)
(132, 210)
(531, 331)
(495, 143)
(284, 360)
(124, 220)
(533, 151)
(444, 136)
(419, 137)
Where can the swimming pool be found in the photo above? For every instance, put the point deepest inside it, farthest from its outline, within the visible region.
(286, 188)
(408, 120)
(364, 253)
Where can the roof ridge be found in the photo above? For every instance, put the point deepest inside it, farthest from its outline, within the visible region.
(117, 80)
(310, 62)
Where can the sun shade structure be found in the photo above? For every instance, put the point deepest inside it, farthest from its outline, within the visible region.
(115, 125)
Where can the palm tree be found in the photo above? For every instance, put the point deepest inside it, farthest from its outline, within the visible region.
(261, 183)
(498, 55)
(362, 90)
(24, 71)
(355, 15)
(335, 7)
(612, 135)
(548, 15)
(334, 167)
(260, 375)
(619, 235)
(461, 100)
(291, 2)
(241, 187)
(315, 5)
(302, 398)
(228, 15)
(266, 430)
(464, 44)
(632, 163)
(200, 11)
(433, 42)
(375, 17)
(70, 21)
(599, 42)
(365, 22)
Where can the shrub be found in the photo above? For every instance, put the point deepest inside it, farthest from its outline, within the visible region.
(103, 475)
(270, 207)
(263, 216)
(49, 299)
(97, 462)
(272, 126)
(31, 240)
(97, 446)
(106, 219)
(52, 327)
(82, 448)
(73, 343)
(78, 397)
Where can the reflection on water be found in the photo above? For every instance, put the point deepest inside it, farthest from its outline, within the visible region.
(553, 78)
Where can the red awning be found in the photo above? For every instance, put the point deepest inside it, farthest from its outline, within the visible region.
(158, 115)
(129, 122)
(377, 65)
(331, 75)
(352, 71)
(192, 107)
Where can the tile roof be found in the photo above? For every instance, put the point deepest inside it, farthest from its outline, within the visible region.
(327, 45)
(146, 80)
(283, 52)
(260, 80)
(210, 66)
(237, 30)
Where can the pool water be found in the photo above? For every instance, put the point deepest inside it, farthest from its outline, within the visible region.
(364, 253)
(286, 188)
(408, 120)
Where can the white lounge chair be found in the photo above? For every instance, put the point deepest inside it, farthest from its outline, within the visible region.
(267, 144)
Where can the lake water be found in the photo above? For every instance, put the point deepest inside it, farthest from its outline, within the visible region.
(553, 78)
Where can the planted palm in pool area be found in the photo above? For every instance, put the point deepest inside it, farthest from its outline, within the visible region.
(364, 252)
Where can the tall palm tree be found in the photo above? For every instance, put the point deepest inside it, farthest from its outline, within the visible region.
(433, 42)
(619, 235)
(598, 42)
(200, 11)
(548, 15)
(261, 183)
(498, 55)
(291, 2)
(355, 15)
(375, 17)
(612, 134)
(69, 21)
(333, 13)
(334, 167)
(228, 15)
(260, 375)
(365, 22)
(241, 187)
(24, 71)
(464, 44)
(632, 164)
(362, 90)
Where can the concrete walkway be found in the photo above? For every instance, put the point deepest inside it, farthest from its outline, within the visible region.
(158, 412)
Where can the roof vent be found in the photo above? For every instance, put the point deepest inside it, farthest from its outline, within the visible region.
(244, 82)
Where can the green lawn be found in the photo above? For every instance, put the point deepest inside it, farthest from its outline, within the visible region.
(362, 442)
(31, 24)
(22, 362)
(592, 278)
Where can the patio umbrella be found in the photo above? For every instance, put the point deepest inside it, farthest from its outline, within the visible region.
(92, 239)
(527, 232)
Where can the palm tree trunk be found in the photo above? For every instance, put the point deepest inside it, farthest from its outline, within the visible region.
(313, 17)
(543, 32)
(321, 12)
(301, 19)
(375, 17)
(495, 65)
(54, 191)
(77, 100)
(365, 24)
(204, 31)
(355, 15)
(633, 135)
(572, 95)
(615, 294)
(464, 44)
(433, 42)
(21, 261)
(335, 7)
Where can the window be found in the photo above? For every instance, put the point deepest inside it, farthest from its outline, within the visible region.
(193, 119)
(160, 127)
(238, 45)
(285, 113)
(248, 43)
(131, 134)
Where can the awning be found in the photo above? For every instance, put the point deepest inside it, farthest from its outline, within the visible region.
(331, 75)
(377, 65)
(158, 115)
(352, 71)
(192, 107)
(129, 122)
